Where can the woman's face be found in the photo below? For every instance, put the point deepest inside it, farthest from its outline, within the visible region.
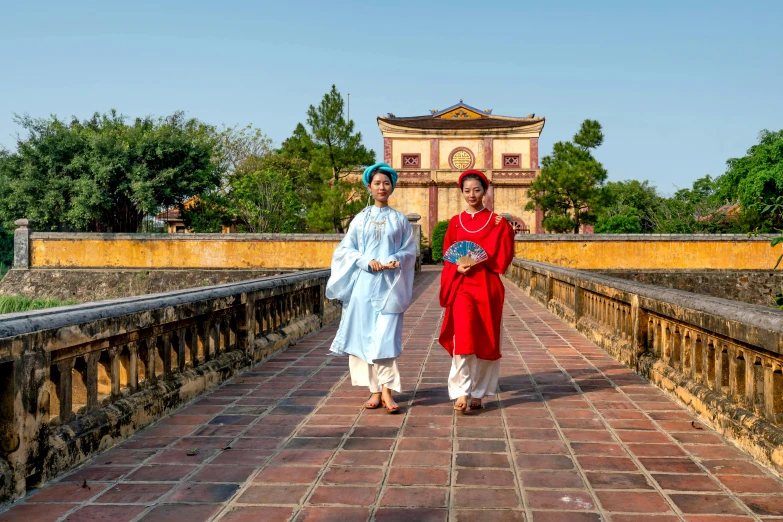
(381, 188)
(473, 192)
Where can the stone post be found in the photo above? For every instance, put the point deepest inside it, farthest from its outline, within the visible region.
(639, 324)
(64, 393)
(181, 349)
(22, 244)
(91, 380)
(414, 220)
(114, 375)
(133, 366)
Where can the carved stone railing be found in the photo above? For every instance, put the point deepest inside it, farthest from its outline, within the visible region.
(723, 359)
(75, 380)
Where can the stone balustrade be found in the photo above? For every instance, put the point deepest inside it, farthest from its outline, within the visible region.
(75, 380)
(721, 358)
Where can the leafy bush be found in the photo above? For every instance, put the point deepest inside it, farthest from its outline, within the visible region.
(627, 222)
(12, 303)
(6, 251)
(438, 235)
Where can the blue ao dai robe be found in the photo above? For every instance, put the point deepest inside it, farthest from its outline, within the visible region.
(373, 302)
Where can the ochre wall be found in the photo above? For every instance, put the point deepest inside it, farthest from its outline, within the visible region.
(516, 146)
(400, 147)
(51, 250)
(450, 202)
(512, 200)
(413, 200)
(204, 253)
(445, 147)
(736, 252)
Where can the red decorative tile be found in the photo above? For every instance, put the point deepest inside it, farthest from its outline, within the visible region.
(172, 512)
(95, 513)
(278, 494)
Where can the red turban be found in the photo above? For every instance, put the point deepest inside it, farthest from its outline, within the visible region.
(477, 173)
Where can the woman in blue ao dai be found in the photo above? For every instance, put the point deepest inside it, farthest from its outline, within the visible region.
(372, 274)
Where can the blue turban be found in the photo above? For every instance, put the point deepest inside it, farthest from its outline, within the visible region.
(383, 167)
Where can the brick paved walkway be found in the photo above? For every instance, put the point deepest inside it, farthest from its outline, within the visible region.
(573, 436)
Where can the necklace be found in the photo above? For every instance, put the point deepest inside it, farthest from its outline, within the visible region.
(474, 231)
(377, 226)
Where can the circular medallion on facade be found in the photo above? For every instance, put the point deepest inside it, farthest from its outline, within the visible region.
(461, 159)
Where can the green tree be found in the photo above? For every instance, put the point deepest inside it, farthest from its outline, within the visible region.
(628, 206)
(334, 151)
(693, 210)
(569, 190)
(626, 220)
(306, 182)
(299, 145)
(209, 212)
(265, 202)
(241, 150)
(262, 201)
(103, 174)
(6, 236)
(756, 180)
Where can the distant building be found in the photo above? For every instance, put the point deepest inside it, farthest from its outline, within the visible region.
(430, 152)
(724, 214)
(173, 219)
(176, 224)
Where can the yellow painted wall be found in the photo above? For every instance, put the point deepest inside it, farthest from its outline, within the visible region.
(450, 202)
(518, 146)
(222, 251)
(207, 253)
(400, 147)
(512, 200)
(618, 254)
(413, 200)
(446, 146)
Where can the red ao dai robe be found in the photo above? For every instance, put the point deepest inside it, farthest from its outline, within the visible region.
(474, 301)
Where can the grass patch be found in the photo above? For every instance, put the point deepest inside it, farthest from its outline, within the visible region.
(10, 304)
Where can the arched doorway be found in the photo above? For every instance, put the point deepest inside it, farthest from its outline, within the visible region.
(519, 226)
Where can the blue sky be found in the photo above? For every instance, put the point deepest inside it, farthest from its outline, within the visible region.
(679, 86)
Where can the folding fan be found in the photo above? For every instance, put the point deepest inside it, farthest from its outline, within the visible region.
(465, 253)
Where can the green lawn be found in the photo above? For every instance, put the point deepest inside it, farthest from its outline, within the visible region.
(12, 303)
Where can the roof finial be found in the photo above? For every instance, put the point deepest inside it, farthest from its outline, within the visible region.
(460, 100)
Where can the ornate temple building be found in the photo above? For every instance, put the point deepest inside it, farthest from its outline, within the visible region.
(429, 152)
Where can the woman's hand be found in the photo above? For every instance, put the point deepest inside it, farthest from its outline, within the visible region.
(391, 265)
(375, 266)
(463, 269)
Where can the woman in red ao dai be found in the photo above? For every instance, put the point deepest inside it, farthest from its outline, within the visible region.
(473, 297)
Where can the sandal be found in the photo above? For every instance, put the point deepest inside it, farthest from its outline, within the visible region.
(463, 408)
(371, 405)
(390, 409)
(475, 404)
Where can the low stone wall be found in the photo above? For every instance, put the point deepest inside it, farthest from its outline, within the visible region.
(720, 358)
(649, 251)
(60, 250)
(175, 251)
(86, 285)
(748, 286)
(76, 380)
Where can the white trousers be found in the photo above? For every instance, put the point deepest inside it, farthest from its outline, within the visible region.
(375, 376)
(473, 377)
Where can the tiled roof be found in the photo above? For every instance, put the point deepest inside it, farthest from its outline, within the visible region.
(428, 122)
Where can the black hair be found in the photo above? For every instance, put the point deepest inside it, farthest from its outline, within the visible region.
(376, 172)
(473, 176)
